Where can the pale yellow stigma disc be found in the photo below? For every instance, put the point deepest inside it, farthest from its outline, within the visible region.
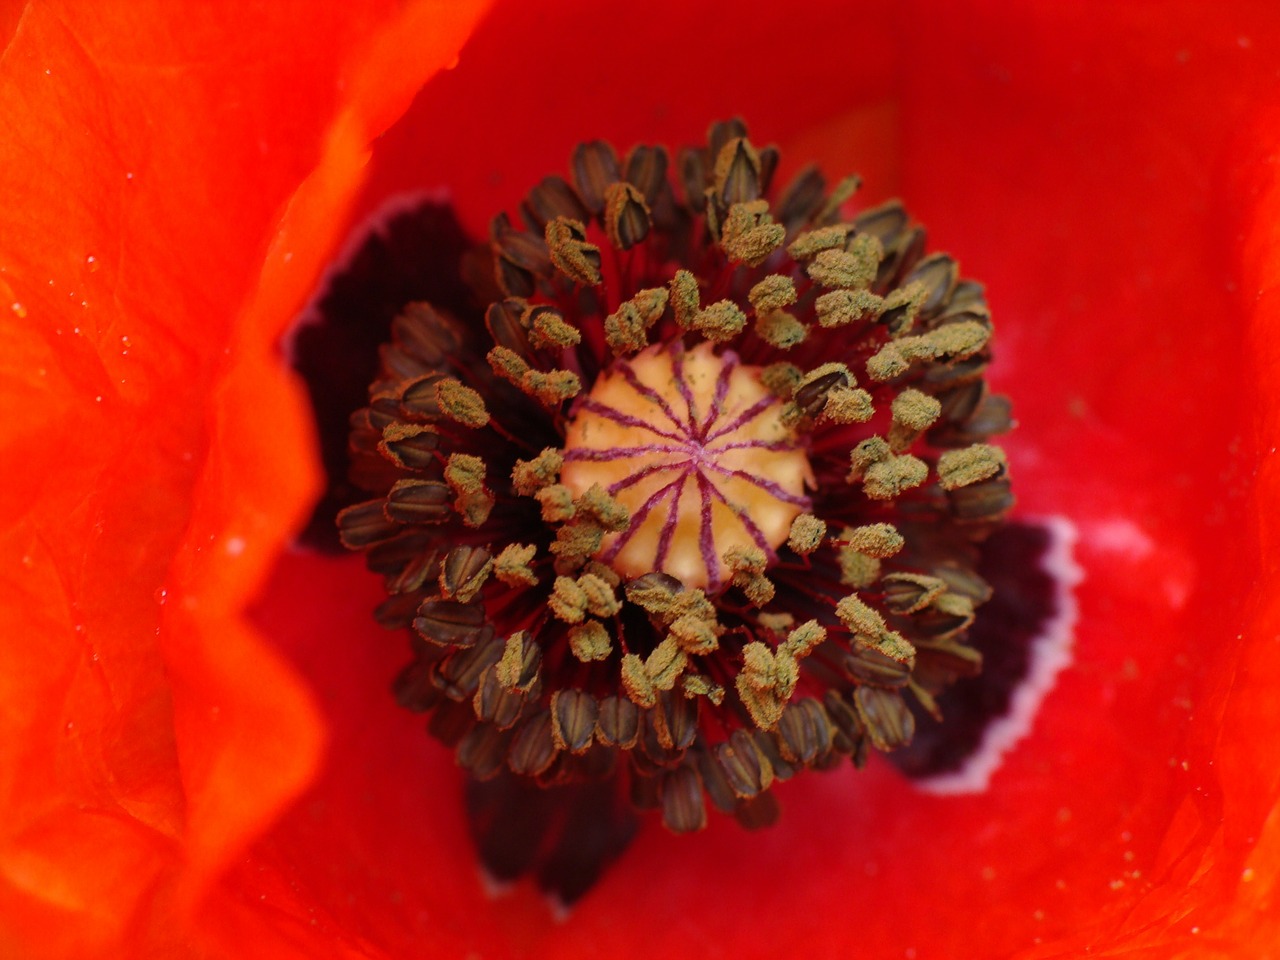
(693, 445)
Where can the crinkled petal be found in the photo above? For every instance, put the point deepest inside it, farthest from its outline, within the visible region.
(155, 457)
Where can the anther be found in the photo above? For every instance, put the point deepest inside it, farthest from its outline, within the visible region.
(774, 292)
(626, 215)
(806, 535)
(570, 252)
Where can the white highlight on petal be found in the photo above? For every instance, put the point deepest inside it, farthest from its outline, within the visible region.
(1050, 653)
(1175, 566)
(1121, 535)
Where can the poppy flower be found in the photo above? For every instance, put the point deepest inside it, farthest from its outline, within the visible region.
(199, 751)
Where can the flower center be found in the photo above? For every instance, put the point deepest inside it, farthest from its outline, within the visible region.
(696, 503)
(693, 444)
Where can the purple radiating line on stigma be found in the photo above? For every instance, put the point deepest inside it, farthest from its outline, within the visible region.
(669, 524)
(646, 391)
(622, 453)
(677, 369)
(745, 417)
(769, 486)
(706, 536)
(647, 471)
(728, 362)
(638, 517)
(617, 416)
(775, 445)
(748, 524)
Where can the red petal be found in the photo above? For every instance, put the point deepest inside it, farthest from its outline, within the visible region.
(155, 458)
(1080, 163)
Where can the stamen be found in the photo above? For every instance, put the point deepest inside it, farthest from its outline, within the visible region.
(749, 234)
(774, 292)
(626, 329)
(570, 252)
(961, 468)
(626, 215)
(511, 566)
(465, 475)
(590, 641)
(461, 403)
(807, 533)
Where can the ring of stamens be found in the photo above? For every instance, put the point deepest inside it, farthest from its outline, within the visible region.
(646, 517)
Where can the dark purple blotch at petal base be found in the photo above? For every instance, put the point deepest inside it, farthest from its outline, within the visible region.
(412, 255)
(1026, 601)
(565, 836)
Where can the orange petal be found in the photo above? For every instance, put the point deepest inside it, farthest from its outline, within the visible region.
(1251, 915)
(155, 458)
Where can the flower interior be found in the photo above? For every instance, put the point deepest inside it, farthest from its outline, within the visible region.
(697, 505)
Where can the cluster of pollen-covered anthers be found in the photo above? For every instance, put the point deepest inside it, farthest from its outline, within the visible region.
(697, 504)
